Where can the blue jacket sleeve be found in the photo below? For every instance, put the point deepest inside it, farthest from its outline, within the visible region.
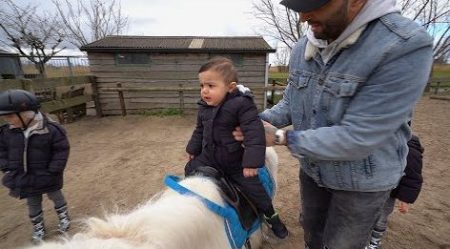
(378, 109)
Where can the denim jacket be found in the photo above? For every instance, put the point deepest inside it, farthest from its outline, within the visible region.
(350, 115)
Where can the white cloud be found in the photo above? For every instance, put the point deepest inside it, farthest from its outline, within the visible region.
(183, 17)
(193, 17)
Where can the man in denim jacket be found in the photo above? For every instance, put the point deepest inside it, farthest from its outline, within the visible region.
(353, 83)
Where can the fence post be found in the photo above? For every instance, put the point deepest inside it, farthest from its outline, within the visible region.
(96, 97)
(438, 84)
(181, 93)
(70, 66)
(272, 96)
(122, 100)
(428, 86)
(27, 85)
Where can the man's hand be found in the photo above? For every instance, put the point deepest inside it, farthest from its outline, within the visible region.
(403, 207)
(237, 134)
(269, 131)
(250, 172)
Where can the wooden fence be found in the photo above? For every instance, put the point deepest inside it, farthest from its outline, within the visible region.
(439, 88)
(66, 97)
(180, 89)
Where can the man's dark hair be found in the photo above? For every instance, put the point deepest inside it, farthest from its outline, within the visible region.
(222, 65)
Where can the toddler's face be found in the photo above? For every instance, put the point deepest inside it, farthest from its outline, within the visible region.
(213, 87)
(13, 120)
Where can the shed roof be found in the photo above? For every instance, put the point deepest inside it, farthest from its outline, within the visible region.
(181, 44)
(7, 53)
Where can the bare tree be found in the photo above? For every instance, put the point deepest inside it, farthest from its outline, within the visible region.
(86, 22)
(434, 15)
(283, 24)
(282, 56)
(33, 36)
(279, 23)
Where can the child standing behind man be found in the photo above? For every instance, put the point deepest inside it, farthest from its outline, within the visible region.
(406, 192)
(33, 155)
(222, 108)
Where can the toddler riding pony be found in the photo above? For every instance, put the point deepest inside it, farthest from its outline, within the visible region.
(191, 213)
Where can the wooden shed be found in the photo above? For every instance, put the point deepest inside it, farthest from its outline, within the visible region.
(160, 72)
(10, 66)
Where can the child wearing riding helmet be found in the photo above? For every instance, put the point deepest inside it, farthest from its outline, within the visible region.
(222, 108)
(33, 154)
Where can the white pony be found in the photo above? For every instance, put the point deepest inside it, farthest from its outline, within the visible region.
(168, 221)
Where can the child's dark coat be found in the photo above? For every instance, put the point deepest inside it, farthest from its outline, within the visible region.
(41, 169)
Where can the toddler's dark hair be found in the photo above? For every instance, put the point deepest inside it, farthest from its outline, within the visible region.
(222, 65)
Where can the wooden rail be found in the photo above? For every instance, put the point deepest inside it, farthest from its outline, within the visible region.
(439, 88)
(185, 93)
(180, 89)
(61, 96)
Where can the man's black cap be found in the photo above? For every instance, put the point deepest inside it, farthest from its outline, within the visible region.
(304, 5)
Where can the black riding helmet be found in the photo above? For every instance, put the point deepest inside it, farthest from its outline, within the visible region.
(16, 101)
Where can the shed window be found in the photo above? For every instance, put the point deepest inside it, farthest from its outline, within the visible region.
(237, 59)
(132, 59)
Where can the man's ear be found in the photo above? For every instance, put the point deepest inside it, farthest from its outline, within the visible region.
(232, 86)
(357, 5)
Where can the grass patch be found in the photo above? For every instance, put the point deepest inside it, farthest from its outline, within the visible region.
(441, 75)
(441, 71)
(442, 84)
(162, 112)
(282, 75)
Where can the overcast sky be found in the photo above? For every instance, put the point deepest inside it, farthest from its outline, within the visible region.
(190, 17)
(184, 17)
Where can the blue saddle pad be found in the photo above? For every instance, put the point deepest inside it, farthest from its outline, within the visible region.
(237, 235)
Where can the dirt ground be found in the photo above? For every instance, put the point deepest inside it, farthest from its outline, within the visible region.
(117, 163)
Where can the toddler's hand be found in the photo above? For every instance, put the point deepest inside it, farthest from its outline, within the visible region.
(237, 134)
(250, 172)
(403, 207)
(189, 156)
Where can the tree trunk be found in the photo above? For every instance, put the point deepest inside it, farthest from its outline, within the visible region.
(40, 66)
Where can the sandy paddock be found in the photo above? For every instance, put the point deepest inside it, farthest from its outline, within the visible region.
(117, 163)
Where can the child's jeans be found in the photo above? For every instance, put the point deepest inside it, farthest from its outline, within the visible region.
(35, 202)
(381, 225)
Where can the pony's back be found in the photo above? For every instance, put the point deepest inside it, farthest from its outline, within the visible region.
(168, 221)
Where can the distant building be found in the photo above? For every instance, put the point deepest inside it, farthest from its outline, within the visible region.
(10, 66)
(170, 61)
